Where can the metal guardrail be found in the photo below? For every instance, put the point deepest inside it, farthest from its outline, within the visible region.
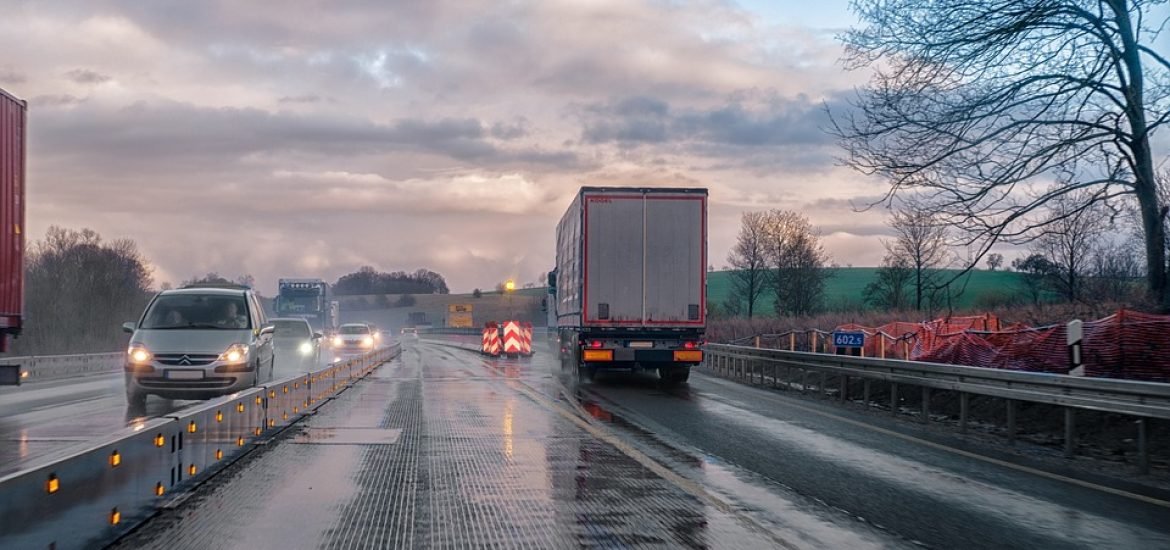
(88, 496)
(39, 368)
(793, 369)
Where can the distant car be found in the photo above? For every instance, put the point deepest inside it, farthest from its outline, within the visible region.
(410, 330)
(198, 342)
(295, 343)
(353, 339)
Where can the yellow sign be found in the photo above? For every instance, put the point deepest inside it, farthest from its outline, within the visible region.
(458, 308)
(459, 320)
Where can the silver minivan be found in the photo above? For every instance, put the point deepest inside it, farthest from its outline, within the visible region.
(198, 342)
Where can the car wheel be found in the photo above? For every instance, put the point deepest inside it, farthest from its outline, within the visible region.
(135, 400)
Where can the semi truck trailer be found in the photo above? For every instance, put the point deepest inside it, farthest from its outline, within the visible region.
(13, 128)
(630, 284)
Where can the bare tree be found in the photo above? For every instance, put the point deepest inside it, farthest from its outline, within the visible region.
(891, 289)
(994, 260)
(1068, 239)
(749, 264)
(920, 244)
(797, 263)
(1114, 272)
(974, 101)
(79, 289)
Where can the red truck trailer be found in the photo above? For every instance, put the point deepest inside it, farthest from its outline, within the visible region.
(12, 182)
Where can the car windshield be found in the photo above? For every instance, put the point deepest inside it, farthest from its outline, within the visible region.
(291, 329)
(197, 311)
(355, 329)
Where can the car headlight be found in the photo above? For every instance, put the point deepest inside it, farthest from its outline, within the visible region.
(338, 342)
(368, 342)
(236, 353)
(306, 348)
(139, 355)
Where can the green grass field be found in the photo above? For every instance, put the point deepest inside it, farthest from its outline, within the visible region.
(844, 291)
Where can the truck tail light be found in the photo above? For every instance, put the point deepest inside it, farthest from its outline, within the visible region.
(598, 355)
(691, 345)
(596, 344)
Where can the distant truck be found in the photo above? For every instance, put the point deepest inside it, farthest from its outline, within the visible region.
(631, 281)
(13, 127)
(309, 299)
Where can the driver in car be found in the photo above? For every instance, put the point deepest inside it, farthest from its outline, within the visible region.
(232, 318)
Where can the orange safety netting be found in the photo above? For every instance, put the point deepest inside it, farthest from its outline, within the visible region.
(1127, 345)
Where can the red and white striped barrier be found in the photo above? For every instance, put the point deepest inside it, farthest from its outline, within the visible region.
(526, 331)
(491, 339)
(513, 339)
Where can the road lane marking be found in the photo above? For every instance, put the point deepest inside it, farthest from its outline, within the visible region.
(947, 448)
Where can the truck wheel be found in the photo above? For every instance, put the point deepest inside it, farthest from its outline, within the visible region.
(584, 375)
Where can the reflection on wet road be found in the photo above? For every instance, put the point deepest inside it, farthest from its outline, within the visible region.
(47, 418)
(444, 448)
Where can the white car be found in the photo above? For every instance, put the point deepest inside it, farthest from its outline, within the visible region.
(353, 339)
(295, 344)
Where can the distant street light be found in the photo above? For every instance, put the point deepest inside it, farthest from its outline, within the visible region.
(509, 285)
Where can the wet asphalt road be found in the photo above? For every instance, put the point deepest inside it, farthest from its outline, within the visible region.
(444, 448)
(878, 471)
(49, 418)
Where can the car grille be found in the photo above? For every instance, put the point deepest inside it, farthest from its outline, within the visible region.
(209, 383)
(185, 359)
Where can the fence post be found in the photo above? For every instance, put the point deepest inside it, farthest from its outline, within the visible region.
(925, 405)
(883, 344)
(964, 402)
(1011, 420)
(906, 349)
(1143, 450)
(791, 341)
(757, 342)
(814, 341)
(894, 398)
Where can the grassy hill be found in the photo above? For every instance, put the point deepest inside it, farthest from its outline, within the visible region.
(844, 291)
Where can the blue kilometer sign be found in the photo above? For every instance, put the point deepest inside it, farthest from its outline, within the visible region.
(849, 339)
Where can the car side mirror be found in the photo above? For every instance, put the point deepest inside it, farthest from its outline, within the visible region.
(267, 330)
(318, 336)
(128, 326)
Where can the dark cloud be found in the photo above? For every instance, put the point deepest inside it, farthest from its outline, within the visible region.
(312, 98)
(518, 128)
(8, 76)
(86, 76)
(148, 132)
(634, 120)
(55, 100)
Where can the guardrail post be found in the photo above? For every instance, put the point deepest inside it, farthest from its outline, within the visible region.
(844, 388)
(1143, 449)
(775, 375)
(803, 380)
(824, 384)
(1011, 421)
(865, 392)
(1070, 435)
(894, 398)
(964, 403)
(925, 405)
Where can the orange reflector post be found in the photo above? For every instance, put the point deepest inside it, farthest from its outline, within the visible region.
(159, 490)
(239, 407)
(598, 355)
(688, 356)
(272, 394)
(259, 400)
(115, 517)
(115, 459)
(219, 416)
(159, 440)
(256, 431)
(192, 428)
(192, 470)
(284, 416)
(240, 442)
(286, 389)
(52, 485)
(219, 454)
(271, 422)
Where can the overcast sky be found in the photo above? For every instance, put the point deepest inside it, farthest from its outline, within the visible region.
(308, 138)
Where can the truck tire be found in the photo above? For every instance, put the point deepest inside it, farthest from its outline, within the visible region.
(674, 376)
